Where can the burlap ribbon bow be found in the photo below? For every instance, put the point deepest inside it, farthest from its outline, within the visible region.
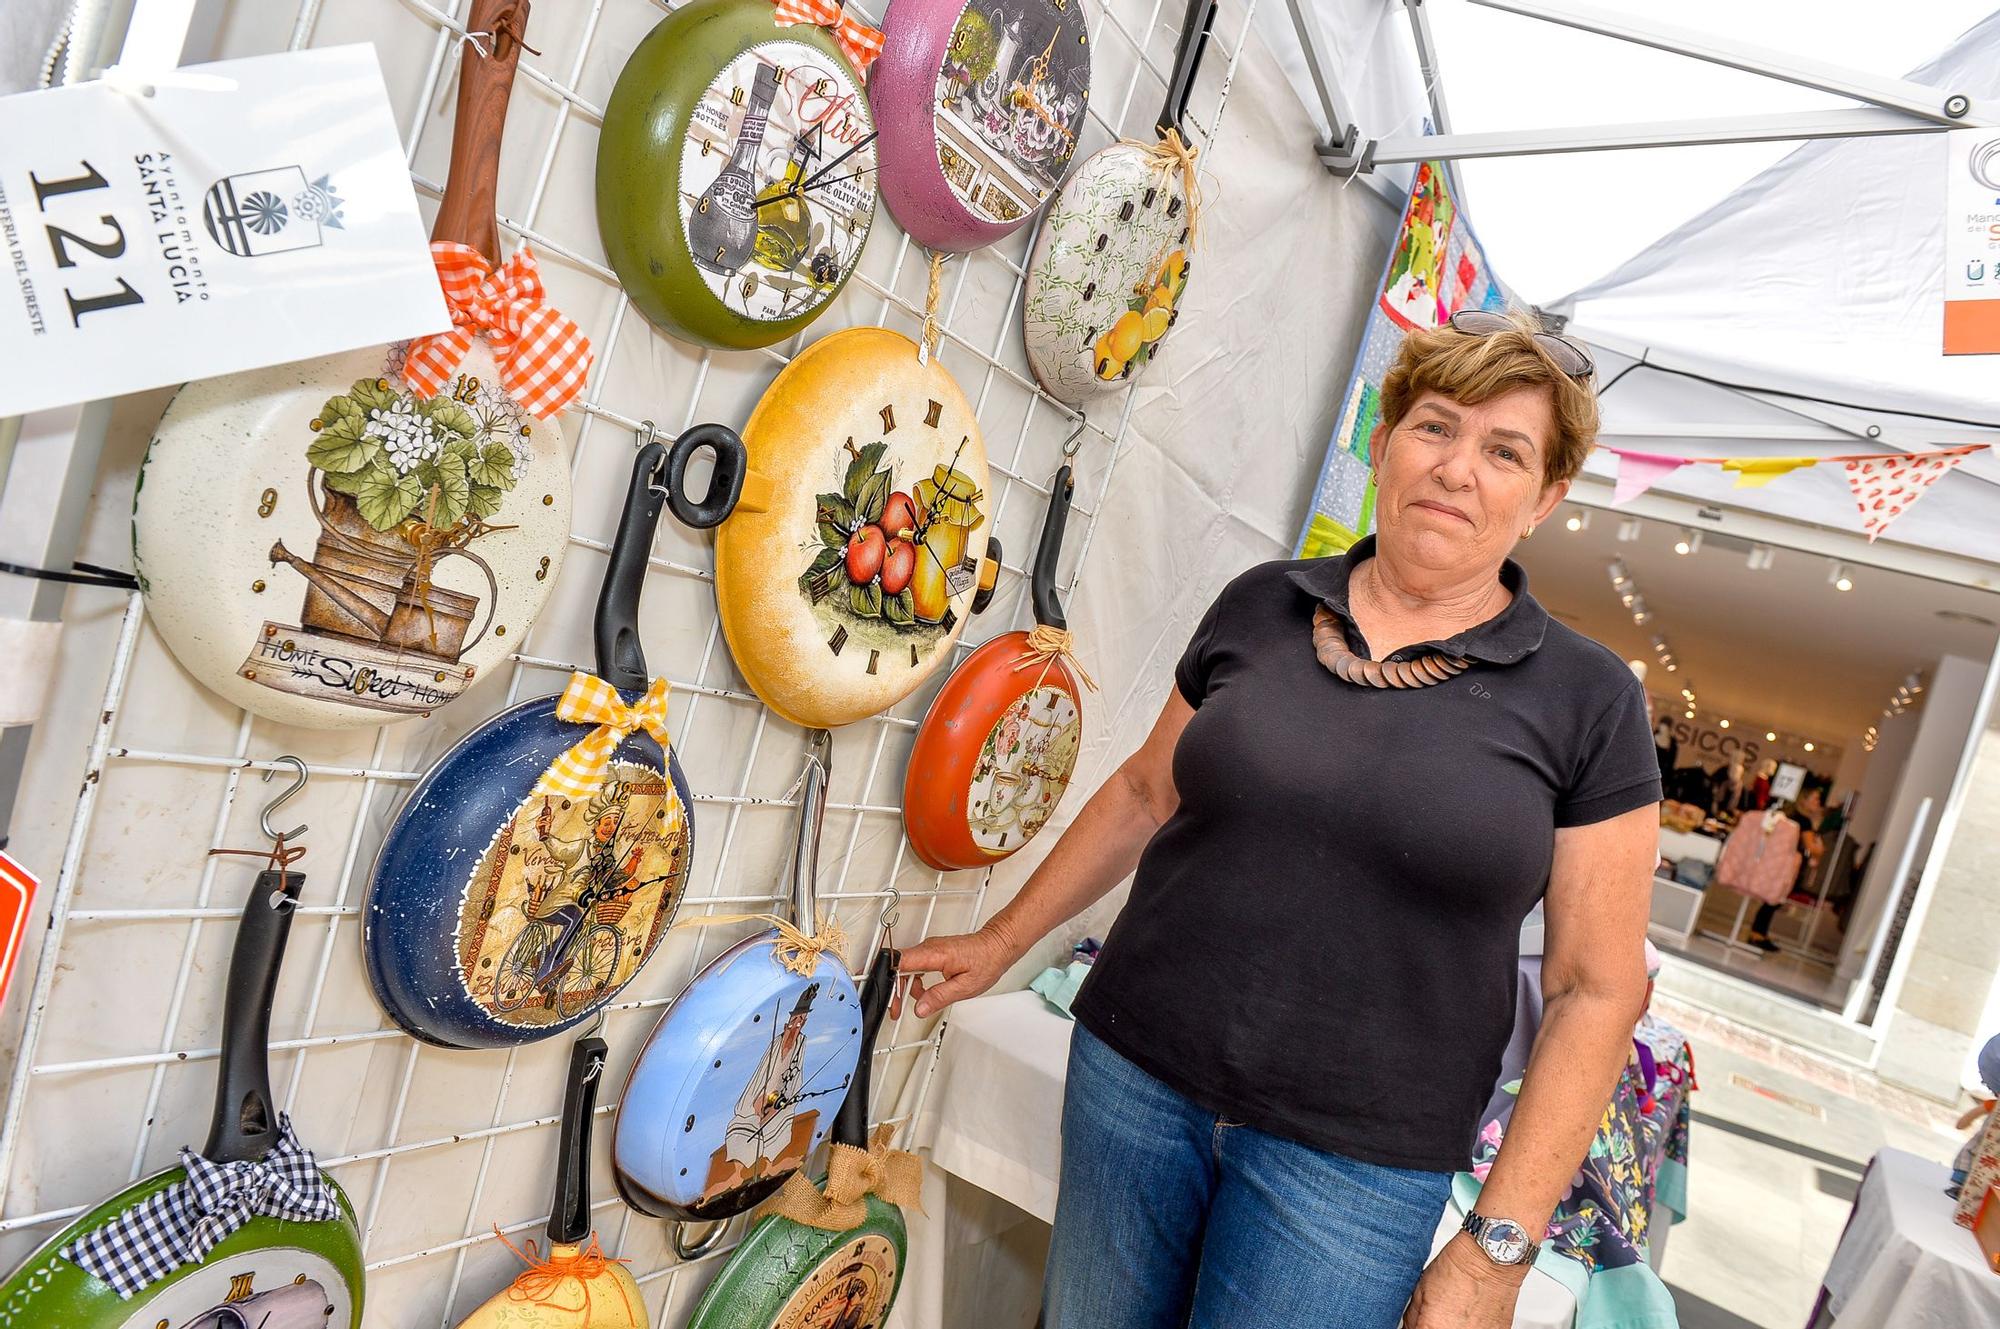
(579, 772)
(861, 43)
(852, 1175)
(543, 355)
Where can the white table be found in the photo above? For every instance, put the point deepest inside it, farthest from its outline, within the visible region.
(989, 1127)
(1903, 1263)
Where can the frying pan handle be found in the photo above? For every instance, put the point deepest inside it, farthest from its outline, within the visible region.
(1187, 59)
(694, 1250)
(569, 1215)
(850, 1127)
(485, 82)
(1042, 585)
(246, 1120)
(725, 483)
(621, 660)
(989, 576)
(812, 813)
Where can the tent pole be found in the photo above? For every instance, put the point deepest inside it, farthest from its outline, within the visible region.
(1342, 151)
(1851, 122)
(1427, 64)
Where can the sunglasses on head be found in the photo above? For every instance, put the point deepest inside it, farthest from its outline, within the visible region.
(1572, 357)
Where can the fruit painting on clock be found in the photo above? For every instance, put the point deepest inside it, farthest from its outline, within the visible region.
(860, 547)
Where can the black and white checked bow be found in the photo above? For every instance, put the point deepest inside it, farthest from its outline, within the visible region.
(183, 1223)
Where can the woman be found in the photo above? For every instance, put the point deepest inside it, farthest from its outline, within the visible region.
(1282, 1053)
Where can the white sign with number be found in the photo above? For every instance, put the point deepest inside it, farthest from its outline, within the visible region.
(234, 215)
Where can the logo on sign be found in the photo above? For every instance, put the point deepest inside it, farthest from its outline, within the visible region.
(1983, 166)
(270, 212)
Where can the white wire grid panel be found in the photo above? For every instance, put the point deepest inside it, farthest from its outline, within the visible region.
(436, 1148)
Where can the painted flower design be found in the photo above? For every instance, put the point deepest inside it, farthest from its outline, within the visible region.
(404, 432)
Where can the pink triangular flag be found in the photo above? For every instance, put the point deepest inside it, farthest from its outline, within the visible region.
(1640, 471)
(1885, 487)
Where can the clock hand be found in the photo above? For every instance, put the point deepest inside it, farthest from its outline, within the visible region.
(819, 174)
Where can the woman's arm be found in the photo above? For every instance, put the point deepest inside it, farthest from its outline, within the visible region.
(1594, 991)
(1098, 850)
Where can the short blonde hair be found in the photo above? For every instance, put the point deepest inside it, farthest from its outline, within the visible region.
(1471, 369)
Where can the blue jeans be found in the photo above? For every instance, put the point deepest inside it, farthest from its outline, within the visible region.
(1170, 1217)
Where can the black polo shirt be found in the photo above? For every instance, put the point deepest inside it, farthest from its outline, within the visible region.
(1321, 942)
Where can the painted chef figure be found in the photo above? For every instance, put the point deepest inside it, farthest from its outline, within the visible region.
(585, 867)
(764, 1135)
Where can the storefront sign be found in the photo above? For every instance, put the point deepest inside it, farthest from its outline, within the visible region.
(234, 215)
(1972, 242)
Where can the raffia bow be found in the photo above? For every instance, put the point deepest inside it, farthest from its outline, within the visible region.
(852, 1175)
(580, 771)
(561, 1280)
(797, 951)
(543, 355)
(1048, 644)
(861, 43)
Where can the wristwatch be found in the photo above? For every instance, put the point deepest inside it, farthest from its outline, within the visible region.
(1504, 1241)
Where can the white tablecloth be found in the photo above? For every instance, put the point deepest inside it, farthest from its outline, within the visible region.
(1903, 1263)
(989, 1126)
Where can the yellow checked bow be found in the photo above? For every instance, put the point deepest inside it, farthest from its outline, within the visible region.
(588, 699)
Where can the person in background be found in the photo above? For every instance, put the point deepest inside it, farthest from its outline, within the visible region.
(1370, 768)
(1663, 745)
(1757, 796)
(1808, 812)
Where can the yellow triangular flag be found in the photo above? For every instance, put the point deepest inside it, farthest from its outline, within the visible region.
(1756, 472)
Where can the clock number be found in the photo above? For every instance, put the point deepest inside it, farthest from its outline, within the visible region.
(888, 419)
(702, 206)
(720, 250)
(822, 87)
(76, 184)
(931, 415)
(59, 240)
(736, 96)
(707, 146)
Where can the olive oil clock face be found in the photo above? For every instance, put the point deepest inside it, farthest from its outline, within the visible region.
(736, 176)
(845, 595)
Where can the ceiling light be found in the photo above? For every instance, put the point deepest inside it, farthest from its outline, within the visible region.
(1629, 530)
(1578, 521)
(1671, 666)
(1689, 542)
(1960, 616)
(1809, 747)
(1722, 724)
(1840, 577)
(1761, 557)
(1770, 737)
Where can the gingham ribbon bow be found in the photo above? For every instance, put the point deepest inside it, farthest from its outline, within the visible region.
(180, 1225)
(588, 699)
(543, 355)
(861, 42)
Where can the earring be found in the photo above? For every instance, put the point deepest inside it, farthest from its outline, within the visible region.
(1530, 531)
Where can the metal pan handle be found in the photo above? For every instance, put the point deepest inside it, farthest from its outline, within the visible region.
(569, 1214)
(850, 1126)
(694, 1250)
(245, 1125)
(725, 483)
(1187, 60)
(1042, 583)
(621, 660)
(812, 813)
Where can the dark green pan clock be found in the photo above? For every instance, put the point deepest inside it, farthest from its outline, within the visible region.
(735, 174)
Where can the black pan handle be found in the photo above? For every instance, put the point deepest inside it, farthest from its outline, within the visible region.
(725, 483)
(983, 596)
(850, 1126)
(245, 1125)
(1187, 59)
(621, 660)
(569, 1214)
(1042, 586)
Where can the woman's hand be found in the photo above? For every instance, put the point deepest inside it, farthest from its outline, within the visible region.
(971, 962)
(1462, 1289)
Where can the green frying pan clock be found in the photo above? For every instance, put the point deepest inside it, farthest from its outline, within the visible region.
(735, 174)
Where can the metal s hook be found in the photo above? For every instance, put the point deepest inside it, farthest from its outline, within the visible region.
(694, 1250)
(892, 908)
(1071, 444)
(291, 790)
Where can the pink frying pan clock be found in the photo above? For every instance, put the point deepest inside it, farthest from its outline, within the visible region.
(979, 104)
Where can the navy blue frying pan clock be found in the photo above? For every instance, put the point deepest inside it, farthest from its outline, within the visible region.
(538, 864)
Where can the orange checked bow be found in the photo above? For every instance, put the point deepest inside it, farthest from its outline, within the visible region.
(861, 42)
(543, 355)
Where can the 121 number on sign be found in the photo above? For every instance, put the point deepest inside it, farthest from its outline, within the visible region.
(66, 244)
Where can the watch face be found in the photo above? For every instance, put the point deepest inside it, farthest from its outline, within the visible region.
(1010, 99)
(1505, 1241)
(778, 180)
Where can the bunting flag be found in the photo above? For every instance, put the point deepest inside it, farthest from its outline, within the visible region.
(1886, 487)
(1640, 471)
(1756, 472)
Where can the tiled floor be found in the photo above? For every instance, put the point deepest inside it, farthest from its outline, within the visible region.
(1775, 1153)
(1790, 970)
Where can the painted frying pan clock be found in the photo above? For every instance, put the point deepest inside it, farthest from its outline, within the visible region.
(996, 749)
(736, 168)
(1112, 257)
(360, 538)
(856, 554)
(980, 103)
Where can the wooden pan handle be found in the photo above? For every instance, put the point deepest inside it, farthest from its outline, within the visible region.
(484, 84)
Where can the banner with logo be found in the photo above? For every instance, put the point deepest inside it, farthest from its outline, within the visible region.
(1972, 242)
(230, 216)
(1436, 268)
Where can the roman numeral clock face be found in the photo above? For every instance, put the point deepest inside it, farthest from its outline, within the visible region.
(879, 538)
